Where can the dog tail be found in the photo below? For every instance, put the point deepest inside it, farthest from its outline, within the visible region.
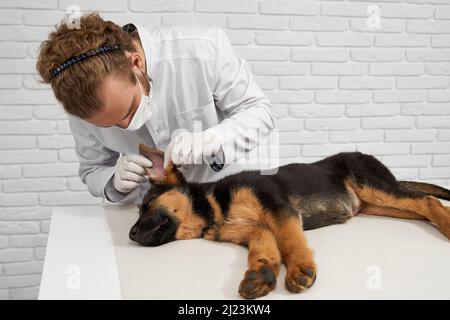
(427, 188)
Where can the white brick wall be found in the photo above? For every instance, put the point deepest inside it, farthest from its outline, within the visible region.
(335, 85)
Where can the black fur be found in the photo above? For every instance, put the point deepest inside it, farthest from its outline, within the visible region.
(319, 186)
(200, 205)
(427, 188)
(222, 194)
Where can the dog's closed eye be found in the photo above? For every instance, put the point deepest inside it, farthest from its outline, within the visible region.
(145, 203)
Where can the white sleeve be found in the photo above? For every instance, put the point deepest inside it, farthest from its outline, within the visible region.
(248, 111)
(96, 164)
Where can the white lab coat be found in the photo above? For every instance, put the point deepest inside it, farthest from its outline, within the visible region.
(196, 77)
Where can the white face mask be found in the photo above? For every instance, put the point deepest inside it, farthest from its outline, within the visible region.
(144, 110)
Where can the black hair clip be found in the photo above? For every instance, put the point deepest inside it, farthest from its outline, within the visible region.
(71, 61)
(129, 28)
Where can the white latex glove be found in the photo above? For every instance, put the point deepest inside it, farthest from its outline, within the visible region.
(129, 172)
(188, 148)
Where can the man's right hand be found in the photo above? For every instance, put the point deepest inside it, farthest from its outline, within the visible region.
(129, 172)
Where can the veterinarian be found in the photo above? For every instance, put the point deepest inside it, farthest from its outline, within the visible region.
(121, 86)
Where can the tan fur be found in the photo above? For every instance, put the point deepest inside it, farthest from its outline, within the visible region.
(172, 175)
(270, 238)
(376, 210)
(296, 254)
(214, 233)
(428, 207)
(263, 258)
(180, 207)
(245, 213)
(277, 237)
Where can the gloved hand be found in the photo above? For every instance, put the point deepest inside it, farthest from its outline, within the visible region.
(188, 148)
(129, 172)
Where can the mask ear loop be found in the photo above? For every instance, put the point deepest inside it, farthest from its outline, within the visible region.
(139, 83)
(150, 83)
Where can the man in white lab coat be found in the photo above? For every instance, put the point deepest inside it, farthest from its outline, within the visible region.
(194, 81)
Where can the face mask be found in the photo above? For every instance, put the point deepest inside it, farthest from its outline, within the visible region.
(144, 110)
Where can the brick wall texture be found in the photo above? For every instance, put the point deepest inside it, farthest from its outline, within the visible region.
(342, 75)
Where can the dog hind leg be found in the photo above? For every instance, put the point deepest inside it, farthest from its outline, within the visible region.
(404, 203)
(376, 210)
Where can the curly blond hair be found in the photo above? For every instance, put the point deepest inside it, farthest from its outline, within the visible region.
(77, 86)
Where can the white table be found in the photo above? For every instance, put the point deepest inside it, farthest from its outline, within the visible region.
(89, 256)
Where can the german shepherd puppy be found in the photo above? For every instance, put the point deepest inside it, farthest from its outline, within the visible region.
(268, 213)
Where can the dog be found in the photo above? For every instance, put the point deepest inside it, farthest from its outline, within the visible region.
(268, 213)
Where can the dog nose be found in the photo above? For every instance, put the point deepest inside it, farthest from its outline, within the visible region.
(133, 233)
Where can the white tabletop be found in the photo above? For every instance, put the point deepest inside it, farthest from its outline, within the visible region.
(89, 256)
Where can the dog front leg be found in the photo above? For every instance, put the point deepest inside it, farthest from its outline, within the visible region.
(296, 254)
(264, 264)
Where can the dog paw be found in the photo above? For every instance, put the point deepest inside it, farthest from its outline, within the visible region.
(257, 283)
(443, 224)
(299, 278)
(445, 229)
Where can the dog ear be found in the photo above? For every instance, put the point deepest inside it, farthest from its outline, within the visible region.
(157, 174)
